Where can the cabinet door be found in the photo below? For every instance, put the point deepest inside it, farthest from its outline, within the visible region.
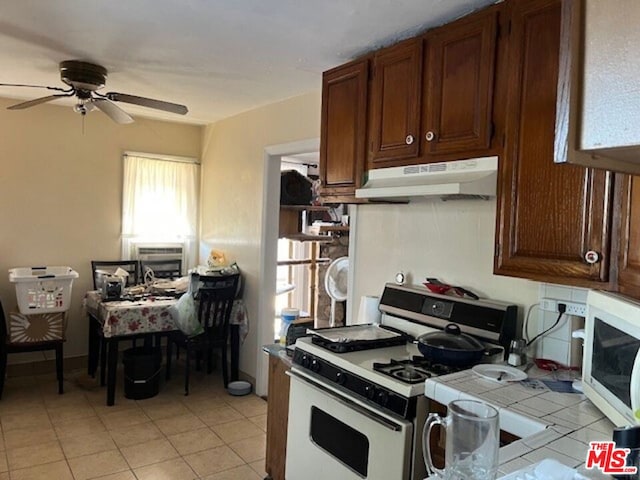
(458, 86)
(277, 417)
(395, 102)
(629, 250)
(549, 215)
(343, 128)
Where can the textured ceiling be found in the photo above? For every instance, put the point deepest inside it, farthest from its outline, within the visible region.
(218, 57)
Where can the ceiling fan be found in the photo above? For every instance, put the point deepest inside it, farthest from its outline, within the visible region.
(84, 80)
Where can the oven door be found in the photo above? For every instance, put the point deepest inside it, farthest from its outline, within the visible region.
(332, 435)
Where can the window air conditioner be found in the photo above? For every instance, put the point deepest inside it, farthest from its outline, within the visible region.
(159, 251)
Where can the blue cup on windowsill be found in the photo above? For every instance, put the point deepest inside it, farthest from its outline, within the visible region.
(287, 317)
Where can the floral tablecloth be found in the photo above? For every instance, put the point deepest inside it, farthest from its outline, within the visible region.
(129, 318)
(152, 314)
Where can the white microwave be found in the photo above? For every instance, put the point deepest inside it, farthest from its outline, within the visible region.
(611, 361)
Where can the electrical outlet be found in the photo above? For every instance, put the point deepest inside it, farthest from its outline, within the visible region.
(577, 309)
(573, 308)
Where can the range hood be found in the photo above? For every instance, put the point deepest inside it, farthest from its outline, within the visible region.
(473, 178)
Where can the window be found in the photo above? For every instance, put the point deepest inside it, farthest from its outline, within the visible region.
(294, 277)
(160, 202)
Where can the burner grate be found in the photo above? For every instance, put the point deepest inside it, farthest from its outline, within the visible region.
(414, 370)
(410, 374)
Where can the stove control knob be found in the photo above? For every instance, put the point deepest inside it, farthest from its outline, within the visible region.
(304, 361)
(315, 366)
(382, 398)
(341, 378)
(437, 308)
(370, 392)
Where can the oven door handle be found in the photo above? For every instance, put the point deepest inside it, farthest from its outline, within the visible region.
(385, 422)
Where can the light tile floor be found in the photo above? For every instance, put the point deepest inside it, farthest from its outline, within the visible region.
(207, 435)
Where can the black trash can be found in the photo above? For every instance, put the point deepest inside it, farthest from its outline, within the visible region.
(142, 367)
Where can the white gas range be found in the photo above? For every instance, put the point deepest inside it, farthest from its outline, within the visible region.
(356, 407)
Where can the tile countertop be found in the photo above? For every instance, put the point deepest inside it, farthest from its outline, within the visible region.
(549, 424)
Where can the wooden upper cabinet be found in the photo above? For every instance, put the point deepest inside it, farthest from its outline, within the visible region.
(395, 102)
(458, 84)
(343, 130)
(549, 216)
(432, 97)
(629, 235)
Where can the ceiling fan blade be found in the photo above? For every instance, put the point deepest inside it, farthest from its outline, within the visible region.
(148, 102)
(112, 110)
(37, 101)
(35, 86)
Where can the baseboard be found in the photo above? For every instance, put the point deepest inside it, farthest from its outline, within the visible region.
(246, 378)
(42, 367)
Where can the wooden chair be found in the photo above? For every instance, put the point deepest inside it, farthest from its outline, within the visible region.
(134, 278)
(165, 269)
(215, 302)
(162, 270)
(22, 343)
(131, 266)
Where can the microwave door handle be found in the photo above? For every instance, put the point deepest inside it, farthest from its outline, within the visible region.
(634, 385)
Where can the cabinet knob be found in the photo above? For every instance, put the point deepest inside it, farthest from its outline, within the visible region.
(430, 136)
(409, 139)
(591, 257)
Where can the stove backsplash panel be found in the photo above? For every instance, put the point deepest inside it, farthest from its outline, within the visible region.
(454, 242)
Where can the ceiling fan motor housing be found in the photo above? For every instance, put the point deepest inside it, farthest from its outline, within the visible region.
(84, 78)
(83, 75)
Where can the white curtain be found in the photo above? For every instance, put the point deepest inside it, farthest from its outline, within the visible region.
(160, 203)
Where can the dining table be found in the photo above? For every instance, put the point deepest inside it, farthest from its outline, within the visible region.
(146, 317)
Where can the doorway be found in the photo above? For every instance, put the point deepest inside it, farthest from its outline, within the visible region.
(293, 286)
(273, 156)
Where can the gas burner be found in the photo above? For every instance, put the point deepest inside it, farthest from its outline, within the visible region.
(437, 368)
(410, 374)
(414, 370)
(405, 370)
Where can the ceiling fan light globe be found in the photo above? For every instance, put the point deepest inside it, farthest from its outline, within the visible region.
(80, 108)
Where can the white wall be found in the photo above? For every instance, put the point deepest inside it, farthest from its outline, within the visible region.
(452, 241)
(233, 176)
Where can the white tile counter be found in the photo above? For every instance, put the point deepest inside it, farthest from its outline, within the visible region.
(550, 424)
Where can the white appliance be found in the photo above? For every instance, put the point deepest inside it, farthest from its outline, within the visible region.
(611, 364)
(472, 178)
(159, 251)
(356, 407)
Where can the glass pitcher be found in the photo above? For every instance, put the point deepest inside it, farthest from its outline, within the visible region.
(472, 441)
